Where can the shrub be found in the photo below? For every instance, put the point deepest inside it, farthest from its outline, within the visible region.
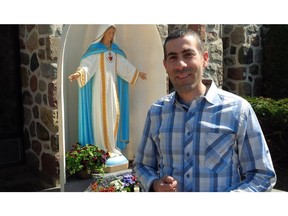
(273, 118)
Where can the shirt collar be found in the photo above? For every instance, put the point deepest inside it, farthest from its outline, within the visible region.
(177, 99)
(211, 93)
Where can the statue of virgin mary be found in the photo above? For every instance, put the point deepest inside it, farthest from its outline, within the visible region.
(104, 76)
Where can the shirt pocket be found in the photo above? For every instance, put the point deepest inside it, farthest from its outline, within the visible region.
(219, 150)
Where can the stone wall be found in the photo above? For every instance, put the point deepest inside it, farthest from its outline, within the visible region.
(242, 59)
(39, 45)
(214, 46)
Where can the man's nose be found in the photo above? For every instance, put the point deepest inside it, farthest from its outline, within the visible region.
(180, 64)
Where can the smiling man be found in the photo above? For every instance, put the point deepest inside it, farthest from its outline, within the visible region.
(200, 138)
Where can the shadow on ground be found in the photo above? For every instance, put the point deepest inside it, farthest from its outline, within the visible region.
(282, 176)
(19, 179)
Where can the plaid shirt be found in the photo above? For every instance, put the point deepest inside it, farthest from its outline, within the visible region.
(226, 149)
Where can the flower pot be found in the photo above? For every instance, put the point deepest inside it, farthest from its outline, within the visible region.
(83, 174)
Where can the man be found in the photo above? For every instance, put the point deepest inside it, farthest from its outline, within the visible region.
(200, 138)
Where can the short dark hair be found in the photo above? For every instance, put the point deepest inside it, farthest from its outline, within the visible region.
(181, 33)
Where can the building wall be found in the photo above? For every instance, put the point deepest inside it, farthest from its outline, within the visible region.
(242, 59)
(39, 45)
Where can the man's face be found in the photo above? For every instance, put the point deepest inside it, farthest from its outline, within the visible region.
(184, 64)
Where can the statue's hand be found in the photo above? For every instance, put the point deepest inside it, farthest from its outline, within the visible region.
(74, 76)
(143, 75)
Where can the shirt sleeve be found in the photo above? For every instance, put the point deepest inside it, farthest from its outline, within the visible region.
(256, 165)
(145, 161)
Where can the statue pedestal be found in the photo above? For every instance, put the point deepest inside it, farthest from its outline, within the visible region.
(115, 164)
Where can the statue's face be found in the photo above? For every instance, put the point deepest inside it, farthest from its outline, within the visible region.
(109, 34)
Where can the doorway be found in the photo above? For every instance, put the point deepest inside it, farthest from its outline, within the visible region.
(11, 114)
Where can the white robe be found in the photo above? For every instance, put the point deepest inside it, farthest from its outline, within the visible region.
(105, 103)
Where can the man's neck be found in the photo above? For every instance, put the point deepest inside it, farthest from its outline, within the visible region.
(188, 97)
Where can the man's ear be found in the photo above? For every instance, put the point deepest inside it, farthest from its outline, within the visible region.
(205, 59)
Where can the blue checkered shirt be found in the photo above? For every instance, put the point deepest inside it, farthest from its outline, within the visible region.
(215, 144)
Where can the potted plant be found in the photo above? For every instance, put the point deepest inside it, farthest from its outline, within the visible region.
(88, 159)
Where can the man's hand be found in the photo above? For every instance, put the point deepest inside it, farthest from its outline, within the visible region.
(165, 184)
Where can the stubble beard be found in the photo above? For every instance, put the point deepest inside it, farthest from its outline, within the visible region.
(188, 87)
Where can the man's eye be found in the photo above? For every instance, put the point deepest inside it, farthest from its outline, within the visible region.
(189, 55)
(171, 58)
